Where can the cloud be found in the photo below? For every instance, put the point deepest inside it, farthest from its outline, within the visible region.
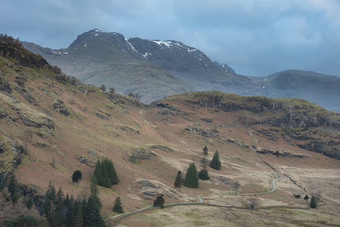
(256, 37)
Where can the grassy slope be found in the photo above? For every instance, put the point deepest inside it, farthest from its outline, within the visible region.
(54, 158)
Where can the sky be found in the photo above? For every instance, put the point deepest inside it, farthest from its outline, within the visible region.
(254, 37)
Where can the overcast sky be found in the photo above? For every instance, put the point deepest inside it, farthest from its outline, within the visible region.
(255, 37)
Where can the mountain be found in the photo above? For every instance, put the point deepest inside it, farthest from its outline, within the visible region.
(316, 87)
(155, 68)
(52, 125)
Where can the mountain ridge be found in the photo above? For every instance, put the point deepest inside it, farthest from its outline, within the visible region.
(139, 65)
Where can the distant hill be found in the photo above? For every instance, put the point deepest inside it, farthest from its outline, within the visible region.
(155, 68)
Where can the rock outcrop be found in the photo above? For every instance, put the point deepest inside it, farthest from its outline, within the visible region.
(280, 153)
(141, 154)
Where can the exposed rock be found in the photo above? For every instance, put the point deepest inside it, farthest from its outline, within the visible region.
(201, 132)
(268, 133)
(20, 80)
(163, 148)
(152, 188)
(2, 147)
(280, 153)
(208, 120)
(4, 85)
(60, 107)
(141, 154)
(85, 160)
(24, 93)
(225, 180)
(325, 148)
(36, 119)
(166, 109)
(102, 116)
(3, 113)
(129, 129)
(11, 154)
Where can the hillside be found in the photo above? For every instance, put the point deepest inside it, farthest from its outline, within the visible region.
(155, 68)
(52, 125)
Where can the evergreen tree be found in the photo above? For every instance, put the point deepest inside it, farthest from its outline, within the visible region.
(191, 178)
(29, 203)
(67, 212)
(76, 176)
(118, 206)
(105, 173)
(159, 202)
(2, 182)
(205, 151)
(51, 192)
(59, 199)
(92, 213)
(313, 202)
(77, 215)
(203, 175)
(13, 189)
(93, 186)
(110, 171)
(178, 180)
(215, 162)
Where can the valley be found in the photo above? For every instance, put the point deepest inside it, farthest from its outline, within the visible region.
(52, 125)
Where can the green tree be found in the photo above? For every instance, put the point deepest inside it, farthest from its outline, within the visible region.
(205, 151)
(26, 221)
(13, 189)
(2, 182)
(178, 180)
(77, 215)
(159, 202)
(215, 162)
(91, 215)
(110, 171)
(203, 175)
(191, 178)
(29, 203)
(106, 174)
(76, 176)
(313, 202)
(118, 206)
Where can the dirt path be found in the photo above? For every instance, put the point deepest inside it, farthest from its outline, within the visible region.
(119, 217)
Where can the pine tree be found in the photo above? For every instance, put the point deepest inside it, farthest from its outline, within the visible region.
(51, 192)
(59, 199)
(2, 182)
(93, 213)
(191, 178)
(106, 174)
(13, 189)
(29, 203)
(109, 171)
(159, 202)
(76, 176)
(215, 162)
(203, 175)
(77, 215)
(313, 202)
(205, 151)
(118, 206)
(178, 180)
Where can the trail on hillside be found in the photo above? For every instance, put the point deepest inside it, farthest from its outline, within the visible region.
(119, 217)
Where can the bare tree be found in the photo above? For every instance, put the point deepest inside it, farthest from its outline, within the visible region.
(251, 203)
(235, 185)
